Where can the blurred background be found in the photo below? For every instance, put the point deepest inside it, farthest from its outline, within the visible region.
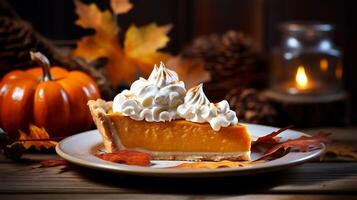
(194, 21)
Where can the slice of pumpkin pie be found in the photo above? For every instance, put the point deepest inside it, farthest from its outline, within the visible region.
(158, 116)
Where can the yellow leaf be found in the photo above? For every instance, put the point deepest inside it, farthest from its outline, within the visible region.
(36, 133)
(143, 42)
(105, 38)
(90, 16)
(140, 45)
(121, 6)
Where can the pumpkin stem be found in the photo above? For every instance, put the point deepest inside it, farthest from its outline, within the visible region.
(43, 61)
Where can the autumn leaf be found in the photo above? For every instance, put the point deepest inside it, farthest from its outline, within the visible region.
(271, 137)
(141, 44)
(38, 138)
(128, 157)
(52, 163)
(121, 6)
(190, 71)
(105, 40)
(302, 144)
(66, 166)
(215, 165)
(341, 151)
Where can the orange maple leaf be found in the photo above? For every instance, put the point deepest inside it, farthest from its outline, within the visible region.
(124, 63)
(105, 39)
(36, 135)
(120, 6)
(139, 53)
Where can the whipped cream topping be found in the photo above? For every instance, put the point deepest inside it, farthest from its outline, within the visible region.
(163, 97)
(197, 108)
(155, 99)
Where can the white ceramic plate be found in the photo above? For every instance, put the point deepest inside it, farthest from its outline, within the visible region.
(81, 149)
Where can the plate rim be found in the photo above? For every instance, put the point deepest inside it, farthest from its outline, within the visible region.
(164, 172)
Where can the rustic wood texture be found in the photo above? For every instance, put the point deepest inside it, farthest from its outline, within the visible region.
(177, 197)
(309, 178)
(314, 180)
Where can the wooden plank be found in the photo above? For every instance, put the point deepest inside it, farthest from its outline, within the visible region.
(173, 197)
(308, 178)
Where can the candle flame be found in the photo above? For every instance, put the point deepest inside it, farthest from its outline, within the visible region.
(301, 78)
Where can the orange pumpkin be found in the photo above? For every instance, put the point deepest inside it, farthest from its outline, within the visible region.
(53, 98)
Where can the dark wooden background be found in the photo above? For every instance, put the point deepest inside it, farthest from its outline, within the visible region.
(257, 18)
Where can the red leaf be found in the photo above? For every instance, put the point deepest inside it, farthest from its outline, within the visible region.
(271, 138)
(303, 144)
(268, 141)
(55, 163)
(128, 157)
(52, 163)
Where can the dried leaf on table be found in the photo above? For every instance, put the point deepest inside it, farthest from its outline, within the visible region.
(121, 6)
(191, 71)
(52, 163)
(137, 55)
(215, 165)
(66, 166)
(39, 137)
(341, 151)
(128, 157)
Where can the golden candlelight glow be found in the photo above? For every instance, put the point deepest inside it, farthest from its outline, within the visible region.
(301, 78)
(324, 65)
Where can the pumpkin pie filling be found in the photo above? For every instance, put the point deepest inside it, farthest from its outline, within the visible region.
(193, 129)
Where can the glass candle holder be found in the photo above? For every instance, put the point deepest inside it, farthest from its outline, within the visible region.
(307, 61)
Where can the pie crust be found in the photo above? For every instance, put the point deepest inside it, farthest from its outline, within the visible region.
(230, 143)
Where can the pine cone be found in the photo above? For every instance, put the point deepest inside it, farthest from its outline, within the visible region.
(18, 38)
(231, 61)
(252, 106)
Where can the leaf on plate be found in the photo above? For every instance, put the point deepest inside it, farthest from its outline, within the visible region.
(270, 138)
(128, 157)
(38, 138)
(141, 44)
(302, 144)
(121, 6)
(190, 71)
(267, 141)
(215, 165)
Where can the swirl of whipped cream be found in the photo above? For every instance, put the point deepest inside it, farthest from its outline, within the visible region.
(197, 108)
(155, 99)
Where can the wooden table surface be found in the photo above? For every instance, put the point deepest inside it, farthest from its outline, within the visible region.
(313, 180)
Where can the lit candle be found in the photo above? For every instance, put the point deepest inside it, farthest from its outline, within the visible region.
(302, 82)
